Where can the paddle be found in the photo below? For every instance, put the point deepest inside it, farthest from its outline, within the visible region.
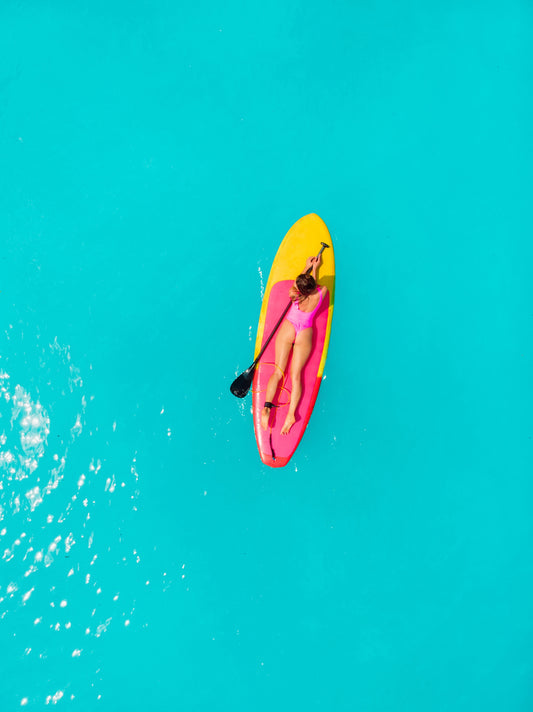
(241, 385)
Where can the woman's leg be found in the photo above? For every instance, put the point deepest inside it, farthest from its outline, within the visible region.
(302, 348)
(284, 342)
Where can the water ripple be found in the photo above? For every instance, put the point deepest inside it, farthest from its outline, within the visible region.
(55, 554)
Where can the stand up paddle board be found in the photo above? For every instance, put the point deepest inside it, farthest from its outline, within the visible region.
(303, 240)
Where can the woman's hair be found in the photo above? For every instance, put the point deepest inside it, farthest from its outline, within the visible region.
(306, 284)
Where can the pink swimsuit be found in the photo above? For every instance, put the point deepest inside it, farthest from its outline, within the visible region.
(303, 320)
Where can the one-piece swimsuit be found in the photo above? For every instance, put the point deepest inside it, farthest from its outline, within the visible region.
(303, 320)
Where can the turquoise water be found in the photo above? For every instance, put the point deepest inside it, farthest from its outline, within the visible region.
(153, 156)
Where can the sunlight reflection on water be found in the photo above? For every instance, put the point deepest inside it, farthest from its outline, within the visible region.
(57, 544)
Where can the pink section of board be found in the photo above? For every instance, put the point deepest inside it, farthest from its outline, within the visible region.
(270, 441)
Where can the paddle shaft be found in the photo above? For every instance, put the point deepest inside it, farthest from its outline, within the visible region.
(271, 335)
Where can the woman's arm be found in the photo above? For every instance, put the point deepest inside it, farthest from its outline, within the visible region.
(313, 263)
(294, 294)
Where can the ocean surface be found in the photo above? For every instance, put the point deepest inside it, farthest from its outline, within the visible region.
(152, 157)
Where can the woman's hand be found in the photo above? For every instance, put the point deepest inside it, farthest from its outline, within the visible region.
(313, 262)
(312, 265)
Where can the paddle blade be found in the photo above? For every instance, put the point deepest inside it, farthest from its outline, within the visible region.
(241, 385)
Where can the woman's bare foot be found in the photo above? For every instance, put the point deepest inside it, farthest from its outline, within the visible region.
(287, 425)
(265, 417)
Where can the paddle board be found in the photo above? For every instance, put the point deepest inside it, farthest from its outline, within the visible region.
(303, 240)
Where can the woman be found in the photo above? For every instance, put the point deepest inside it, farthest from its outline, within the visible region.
(296, 333)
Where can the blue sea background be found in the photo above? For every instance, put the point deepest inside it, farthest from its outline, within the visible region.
(153, 155)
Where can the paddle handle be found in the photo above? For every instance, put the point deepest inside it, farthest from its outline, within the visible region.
(271, 335)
